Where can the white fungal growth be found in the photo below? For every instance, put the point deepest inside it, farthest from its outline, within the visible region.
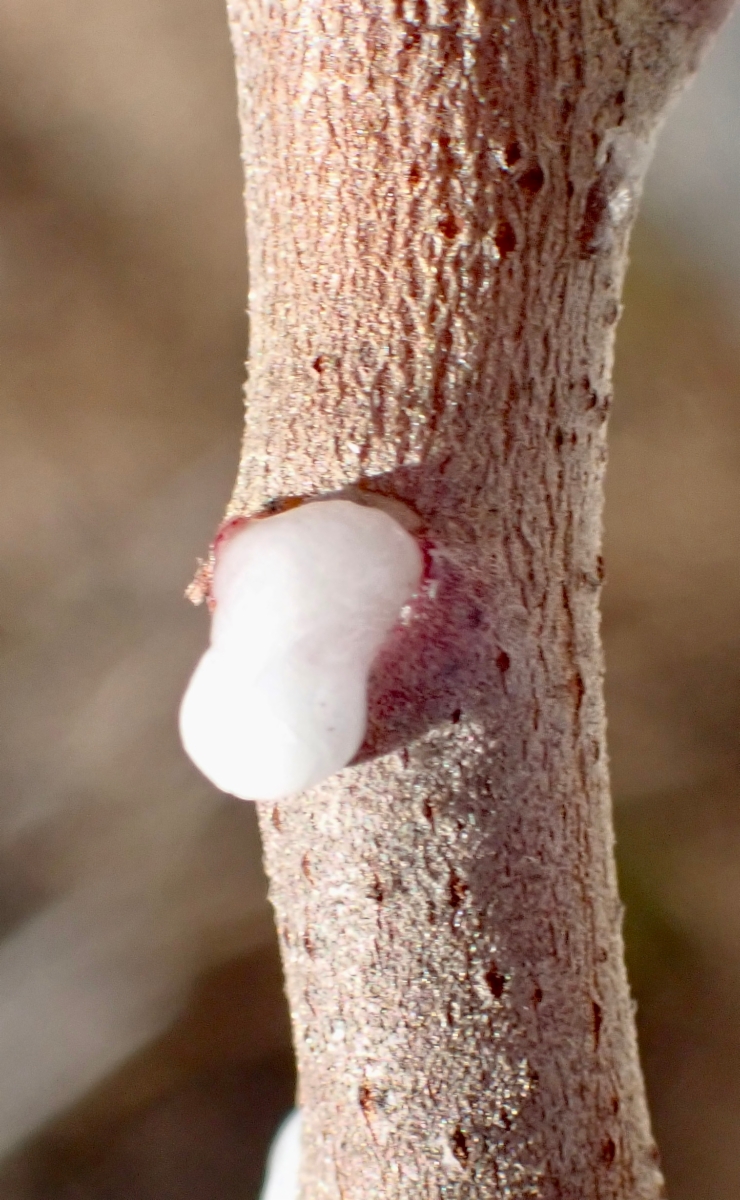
(303, 602)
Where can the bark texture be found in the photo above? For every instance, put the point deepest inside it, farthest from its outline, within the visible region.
(439, 194)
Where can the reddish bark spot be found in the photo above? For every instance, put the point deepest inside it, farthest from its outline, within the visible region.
(365, 1098)
(276, 818)
(503, 662)
(376, 890)
(455, 718)
(475, 616)
(449, 226)
(598, 1017)
(460, 1146)
(577, 689)
(495, 980)
(308, 944)
(505, 238)
(306, 867)
(537, 996)
(608, 1151)
(458, 889)
(512, 153)
(532, 180)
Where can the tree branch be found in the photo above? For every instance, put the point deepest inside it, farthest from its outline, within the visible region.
(439, 196)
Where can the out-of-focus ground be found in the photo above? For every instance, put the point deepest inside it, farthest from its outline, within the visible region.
(143, 1040)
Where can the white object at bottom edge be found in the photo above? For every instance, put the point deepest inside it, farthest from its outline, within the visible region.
(281, 1179)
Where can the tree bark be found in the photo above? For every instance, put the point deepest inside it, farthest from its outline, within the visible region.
(439, 195)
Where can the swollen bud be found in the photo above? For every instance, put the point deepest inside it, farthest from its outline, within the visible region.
(302, 603)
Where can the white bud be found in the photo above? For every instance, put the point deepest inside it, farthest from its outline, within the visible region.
(303, 604)
(283, 1165)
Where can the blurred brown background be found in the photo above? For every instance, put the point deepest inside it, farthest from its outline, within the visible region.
(143, 1042)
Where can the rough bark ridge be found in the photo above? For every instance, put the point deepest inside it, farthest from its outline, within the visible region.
(439, 194)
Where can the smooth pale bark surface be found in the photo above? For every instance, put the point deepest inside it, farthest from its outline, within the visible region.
(438, 199)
